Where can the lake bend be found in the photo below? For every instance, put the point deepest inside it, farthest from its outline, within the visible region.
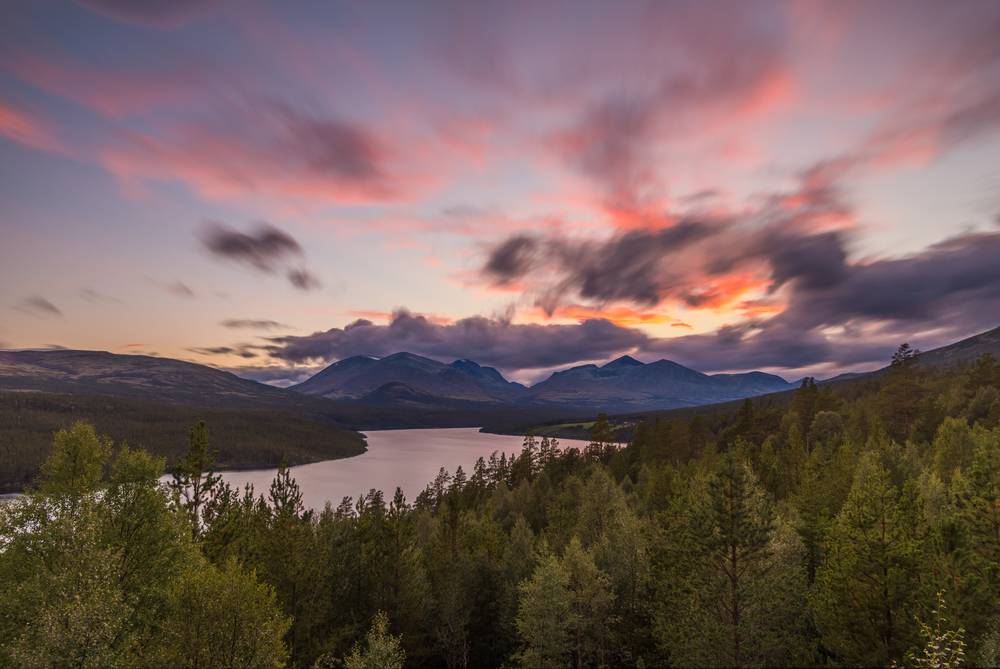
(409, 459)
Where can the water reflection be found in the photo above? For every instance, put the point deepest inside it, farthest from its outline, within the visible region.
(409, 459)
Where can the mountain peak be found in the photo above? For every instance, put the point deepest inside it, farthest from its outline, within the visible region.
(624, 361)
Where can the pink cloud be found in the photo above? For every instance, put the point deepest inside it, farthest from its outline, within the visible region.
(271, 150)
(135, 89)
(28, 129)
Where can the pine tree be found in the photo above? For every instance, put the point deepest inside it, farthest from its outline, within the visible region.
(739, 598)
(899, 401)
(804, 404)
(866, 596)
(291, 559)
(194, 479)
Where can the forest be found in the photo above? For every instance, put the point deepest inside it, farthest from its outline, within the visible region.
(245, 438)
(848, 526)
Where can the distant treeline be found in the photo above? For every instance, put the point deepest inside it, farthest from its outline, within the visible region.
(244, 439)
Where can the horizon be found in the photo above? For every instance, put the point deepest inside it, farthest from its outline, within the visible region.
(794, 381)
(792, 188)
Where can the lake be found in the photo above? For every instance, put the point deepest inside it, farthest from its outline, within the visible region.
(409, 459)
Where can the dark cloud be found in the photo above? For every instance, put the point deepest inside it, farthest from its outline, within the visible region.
(267, 250)
(263, 250)
(634, 266)
(862, 313)
(36, 305)
(302, 279)
(959, 277)
(833, 311)
(334, 149)
(161, 14)
(816, 260)
(490, 342)
(252, 324)
(511, 259)
(242, 350)
(838, 315)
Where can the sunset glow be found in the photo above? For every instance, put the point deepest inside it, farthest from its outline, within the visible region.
(271, 187)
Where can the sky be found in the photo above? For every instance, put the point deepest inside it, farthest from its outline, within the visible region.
(270, 187)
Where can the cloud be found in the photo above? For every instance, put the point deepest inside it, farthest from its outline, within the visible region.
(263, 250)
(302, 279)
(36, 305)
(785, 265)
(281, 377)
(269, 148)
(715, 71)
(267, 250)
(947, 292)
(125, 88)
(93, 296)
(161, 14)
(176, 288)
(836, 314)
(242, 350)
(489, 341)
(27, 128)
(252, 324)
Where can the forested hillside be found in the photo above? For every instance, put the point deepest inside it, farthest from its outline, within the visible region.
(245, 439)
(857, 525)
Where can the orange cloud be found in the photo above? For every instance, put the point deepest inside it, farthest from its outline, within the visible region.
(620, 315)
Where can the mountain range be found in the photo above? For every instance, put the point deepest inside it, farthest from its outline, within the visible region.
(405, 379)
(407, 390)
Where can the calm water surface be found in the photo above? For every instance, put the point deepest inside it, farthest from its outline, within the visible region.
(409, 459)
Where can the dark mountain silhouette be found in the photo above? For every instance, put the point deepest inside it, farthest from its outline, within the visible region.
(407, 390)
(624, 383)
(175, 382)
(358, 378)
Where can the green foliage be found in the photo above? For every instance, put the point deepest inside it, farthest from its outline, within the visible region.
(245, 439)
(222, 617)
(76, 466)
(899, 401)
(544, 618)
(105, 574)
(865, 599)
(740, 597)
(382, 650)
(194, 479)
(942, 648)
(797, 531)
